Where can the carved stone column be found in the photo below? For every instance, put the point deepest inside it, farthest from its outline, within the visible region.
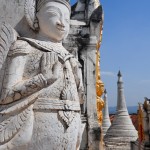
(88, 40)
(93, 126)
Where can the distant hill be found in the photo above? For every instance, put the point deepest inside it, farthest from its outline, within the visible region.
(131, 109)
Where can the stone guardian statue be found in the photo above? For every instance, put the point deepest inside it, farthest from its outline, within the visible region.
(40, 82)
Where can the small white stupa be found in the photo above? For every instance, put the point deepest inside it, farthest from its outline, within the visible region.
(122, 131)
(106, 120)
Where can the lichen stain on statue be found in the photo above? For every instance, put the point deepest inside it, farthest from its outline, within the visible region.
(41, 82)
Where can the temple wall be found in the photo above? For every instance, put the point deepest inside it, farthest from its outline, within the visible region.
(11, 11)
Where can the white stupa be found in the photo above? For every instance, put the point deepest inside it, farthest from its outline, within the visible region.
(122, 131)
(106, 120)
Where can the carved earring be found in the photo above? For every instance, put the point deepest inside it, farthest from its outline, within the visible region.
(36, 24)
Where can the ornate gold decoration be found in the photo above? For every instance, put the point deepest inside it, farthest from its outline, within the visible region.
(99, 83)
(140, 123)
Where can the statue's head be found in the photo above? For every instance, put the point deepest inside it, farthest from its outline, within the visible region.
(49, 17)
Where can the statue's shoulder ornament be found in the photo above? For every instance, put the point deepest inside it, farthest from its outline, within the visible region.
(19, 47)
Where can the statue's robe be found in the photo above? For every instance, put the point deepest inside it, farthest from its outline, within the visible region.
(35, 115)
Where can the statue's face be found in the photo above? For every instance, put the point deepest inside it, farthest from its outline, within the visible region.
(54, 20)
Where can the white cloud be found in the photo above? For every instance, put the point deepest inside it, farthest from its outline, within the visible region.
(107, 73)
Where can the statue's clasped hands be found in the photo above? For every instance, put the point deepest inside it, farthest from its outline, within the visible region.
(50, 67)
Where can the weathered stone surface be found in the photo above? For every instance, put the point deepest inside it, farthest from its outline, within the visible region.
(41, 83)
(27, 56)
(86, 41)
(11, 11)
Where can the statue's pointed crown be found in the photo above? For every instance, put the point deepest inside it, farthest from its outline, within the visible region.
(40, 3)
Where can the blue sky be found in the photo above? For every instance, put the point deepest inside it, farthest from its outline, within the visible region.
(126, 46)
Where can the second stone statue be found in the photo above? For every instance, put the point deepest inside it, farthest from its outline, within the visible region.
(41, 81)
